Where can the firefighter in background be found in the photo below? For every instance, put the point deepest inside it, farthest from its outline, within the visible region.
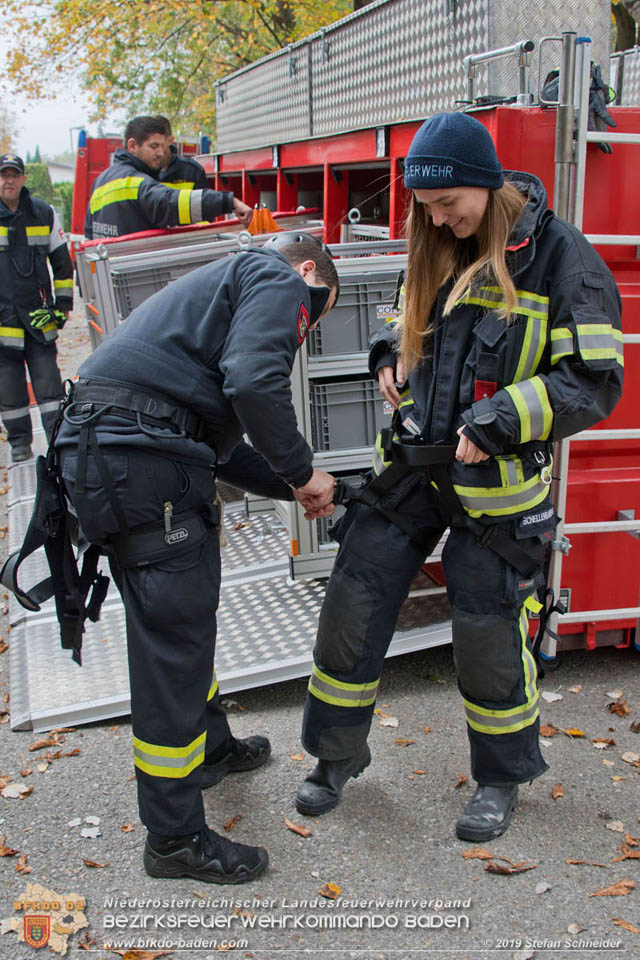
(180, 172)
(127, 197)
(31, 313)
(168, 394)
(510, 339)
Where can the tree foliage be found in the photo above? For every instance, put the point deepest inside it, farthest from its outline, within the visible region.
(63, 197)
(152, 55)
(39, 181)
(8, 130)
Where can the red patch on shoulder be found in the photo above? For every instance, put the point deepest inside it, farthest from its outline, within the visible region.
(303, 323)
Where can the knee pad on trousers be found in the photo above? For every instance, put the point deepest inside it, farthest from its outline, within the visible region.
(344, 617)
(486, 654)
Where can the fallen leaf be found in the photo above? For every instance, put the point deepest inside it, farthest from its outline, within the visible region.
(460, 781)
(427, 729)
(90, 833)
(551, 697)
(632, 758)
(627, 854)
(557, 791)
(75, 822)
(615, 694)
(619, 707)
(3, 646)
(240, 524)
(331, 891)
(576, 689)
(542, 887)
(404, 741)
(625, 924)
(548, 730)
(53, 740)
(616, 825)
(26, 772)
(574, 733)
(92, 863)
(420, 773)
(127, 827)
(508, 870)
(523, 955)
(588, 863)
(6, 851)
(634, 726)
(389, 722)
(380, 713)
(617, 779)
(134, 953)
(621, 888)
(297, 756)
(94, 821)
(230, 824)
(575, 929)
(608, 763)
(14, 790)
(21, 864)
(630, 841)
(298, 828)
(602, 742)
(477, 853)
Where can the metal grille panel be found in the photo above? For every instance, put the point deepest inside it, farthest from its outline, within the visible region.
(631, 78)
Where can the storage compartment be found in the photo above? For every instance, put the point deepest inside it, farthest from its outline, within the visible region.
(365, 303)
(346, 414)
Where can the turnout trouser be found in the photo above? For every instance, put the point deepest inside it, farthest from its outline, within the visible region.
(170, 608)
(41, 359)
(371, 578)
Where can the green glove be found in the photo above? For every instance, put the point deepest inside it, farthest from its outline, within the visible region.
(40, 318)
(60, 318)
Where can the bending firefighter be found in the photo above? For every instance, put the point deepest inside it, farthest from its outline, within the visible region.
(167, 397)
(510, 339)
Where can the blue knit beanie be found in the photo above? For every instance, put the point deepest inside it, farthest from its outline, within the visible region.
(452, 150)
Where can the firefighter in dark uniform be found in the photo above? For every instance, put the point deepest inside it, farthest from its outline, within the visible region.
(510, 339)
(128, 198)
(177, 171)
(167, 396)
(31, 312)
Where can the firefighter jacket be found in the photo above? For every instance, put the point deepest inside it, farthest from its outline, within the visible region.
(555, 369)
(220, 341)
(126, 198)
(184, 173)
(31, 238)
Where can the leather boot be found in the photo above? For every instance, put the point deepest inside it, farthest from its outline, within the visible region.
(235, 756)
(322, 789)
(204, 856)
(488, 813)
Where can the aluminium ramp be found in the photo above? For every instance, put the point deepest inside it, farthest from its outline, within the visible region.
(266, 625)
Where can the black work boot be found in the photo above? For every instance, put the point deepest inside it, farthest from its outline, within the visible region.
(488, 813)
(20, 453)
(235, 756)
(322, 789)
(204, 856)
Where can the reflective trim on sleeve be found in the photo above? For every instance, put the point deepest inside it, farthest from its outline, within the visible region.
(503, 501)
(122, 188)
(341, 694)
(535, 339)
(59, 285)
(16, 414)
(184, 206)
(4, 236)
(12, 337)
(50, 332)
(196, 206)
(532, 404)
(528, 304)
(597, 341)
(173, 762)
(213, 689)
(178, 184)
(561, 344)
(38, 236)
(617, 336)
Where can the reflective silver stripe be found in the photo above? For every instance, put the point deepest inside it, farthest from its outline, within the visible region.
(16, 342)
(511, 472)
(164, 761)
(38, 240)
(339, 693)
(528, 663)
(561, 344)
(15, 414)
(195, 208)
(4, 240)
(511, 501)
(48, 406)
(177, 763)
(532, 348)
(501, 721)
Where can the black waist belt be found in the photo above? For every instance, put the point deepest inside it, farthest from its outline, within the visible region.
(423, 455)
(120, 397)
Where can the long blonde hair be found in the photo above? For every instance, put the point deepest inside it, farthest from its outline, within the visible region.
(436, 256)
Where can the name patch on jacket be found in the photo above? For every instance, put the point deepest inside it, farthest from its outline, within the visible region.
(303, 323)
(540, 524)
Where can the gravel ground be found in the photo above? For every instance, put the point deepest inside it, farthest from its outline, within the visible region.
(406, 889)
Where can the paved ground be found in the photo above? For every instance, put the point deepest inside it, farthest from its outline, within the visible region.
(407, 890)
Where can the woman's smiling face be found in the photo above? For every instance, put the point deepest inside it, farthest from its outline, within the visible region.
(459, 208)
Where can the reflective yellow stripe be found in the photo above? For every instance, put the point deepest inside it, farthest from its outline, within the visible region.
(511, 472)
(533, 346)
(379, 463)
(63, 284)
(173, 762)
(341, 694)
(617, 336)
(123, 188)
(561, 344)
(213, 689)
(184, 206)
(596, 341)
(528, 304)
(503, 501)
(38, 231)
(532, 404)
(17, 332)
(179, 184)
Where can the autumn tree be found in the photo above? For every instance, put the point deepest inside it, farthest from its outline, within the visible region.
(160, 56)
(8, 130)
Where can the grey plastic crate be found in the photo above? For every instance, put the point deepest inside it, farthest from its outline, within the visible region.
(366, 301)
(346, 413)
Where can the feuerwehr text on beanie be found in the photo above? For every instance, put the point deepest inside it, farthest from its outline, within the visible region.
(452, 150)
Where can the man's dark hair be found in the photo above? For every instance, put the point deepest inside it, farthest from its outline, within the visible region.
(326, 271)
(141, 128)
(166, 125)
